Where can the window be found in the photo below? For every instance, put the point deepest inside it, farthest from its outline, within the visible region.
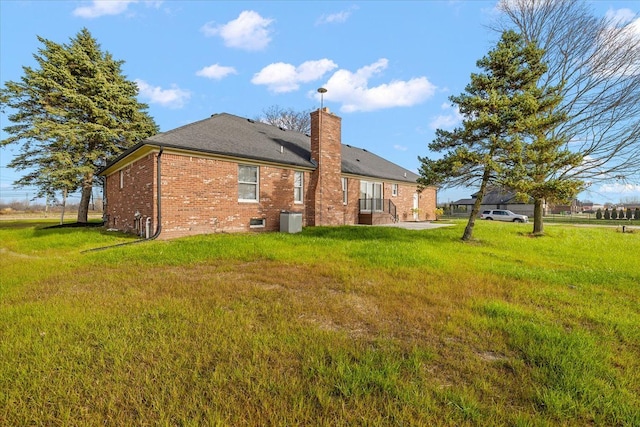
(247, 183)
(344, 191)
(121, 179)
(371, 196)
(394, 189)
(298, 179)
(257, 222)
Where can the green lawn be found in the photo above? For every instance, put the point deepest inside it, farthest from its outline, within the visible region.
(333, 326)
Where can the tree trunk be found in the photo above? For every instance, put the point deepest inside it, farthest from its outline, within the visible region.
(538, 224)
(83, 207)
(64, 204)
(468, 230)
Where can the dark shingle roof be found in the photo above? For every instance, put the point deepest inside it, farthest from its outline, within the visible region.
(494, 196)
(359, 161)
(497, 196)
(229, 135)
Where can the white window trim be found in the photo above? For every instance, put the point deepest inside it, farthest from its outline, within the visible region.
(301, 201)
(257, 184)
(345, 192)
(261, 225)
(394, 190)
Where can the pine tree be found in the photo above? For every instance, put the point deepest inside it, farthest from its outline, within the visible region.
(73, 112)
(502, 109)
(537, 155)
(614, 213)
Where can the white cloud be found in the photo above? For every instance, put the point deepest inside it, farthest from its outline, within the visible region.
(353, 91)
(249, 31)
(620, 188)
(449, 120)
(170, 98)
(281, 77)
(623, 32)
(99, 8)
(339, 17)
(216, 72)
(400, 147)
(620, 16)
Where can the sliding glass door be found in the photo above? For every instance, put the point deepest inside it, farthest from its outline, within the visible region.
(370, 196)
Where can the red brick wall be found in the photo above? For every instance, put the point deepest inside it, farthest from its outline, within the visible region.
(428, 204)
(404, 201)
(325, 197)
(201, 196)
(136, 195)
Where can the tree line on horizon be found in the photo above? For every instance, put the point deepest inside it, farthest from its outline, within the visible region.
(618, 214)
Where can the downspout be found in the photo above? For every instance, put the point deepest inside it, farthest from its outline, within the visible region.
(159, 218)
(158, 196)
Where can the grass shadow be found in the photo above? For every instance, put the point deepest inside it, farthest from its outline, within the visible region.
(91, 228)
(373, 233)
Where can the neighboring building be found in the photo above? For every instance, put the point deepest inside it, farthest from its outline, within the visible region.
(498, 198)
(590, 207)
(229, 174)
(570, 209)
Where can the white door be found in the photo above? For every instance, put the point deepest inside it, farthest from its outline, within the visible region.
(416, 214)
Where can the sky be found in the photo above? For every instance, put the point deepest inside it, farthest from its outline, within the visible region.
(389, 67)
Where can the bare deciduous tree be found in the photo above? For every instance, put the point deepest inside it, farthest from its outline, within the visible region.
(597, 62)
(299, 121)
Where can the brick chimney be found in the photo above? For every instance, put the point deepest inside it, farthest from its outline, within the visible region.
(325, 198)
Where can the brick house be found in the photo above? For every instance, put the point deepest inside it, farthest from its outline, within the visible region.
(231, 174)
(497, 198)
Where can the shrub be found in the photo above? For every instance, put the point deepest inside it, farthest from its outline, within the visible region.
(637, 213)
(607, 214)
(629, 213)
(599, 214)
(614, 213)
(621, 213)
(438, 213)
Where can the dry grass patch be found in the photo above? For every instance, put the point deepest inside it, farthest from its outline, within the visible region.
(338, 326)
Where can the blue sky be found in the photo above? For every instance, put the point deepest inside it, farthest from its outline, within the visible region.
(388, 66)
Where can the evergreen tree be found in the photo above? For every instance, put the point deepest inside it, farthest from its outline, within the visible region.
(637, 214)
(614, 213)
(504, 114)
(73, 112)
(629, 214)
(607, 214)
(599, 214)
(595, 60)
